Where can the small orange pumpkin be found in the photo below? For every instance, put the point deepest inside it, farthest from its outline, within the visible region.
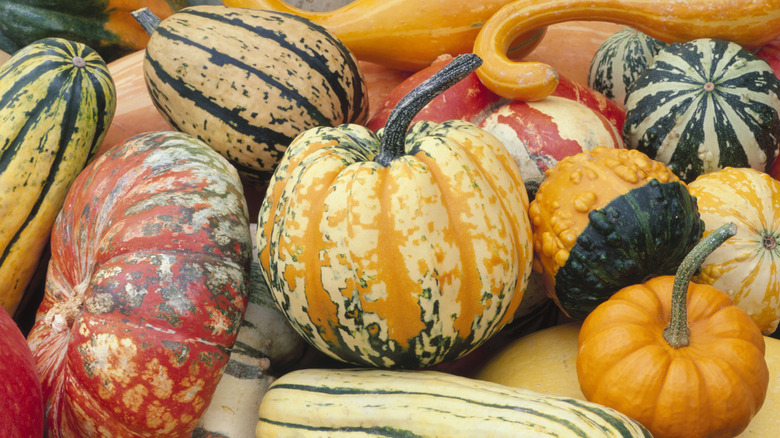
(676, 356)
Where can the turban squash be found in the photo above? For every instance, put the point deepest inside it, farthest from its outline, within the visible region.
(145, 290)
(606, 218)
(397, 249)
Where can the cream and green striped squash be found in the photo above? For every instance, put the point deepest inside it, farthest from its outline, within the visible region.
(397, 249)
(619, 60)
(705, 105)
(248, 81)
(57, 100)
(368, 402)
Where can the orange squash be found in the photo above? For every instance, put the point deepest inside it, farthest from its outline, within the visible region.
(675, 356)
(747, 22)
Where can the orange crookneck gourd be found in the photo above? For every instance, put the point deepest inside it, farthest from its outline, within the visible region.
(675, 355)
(749, 23)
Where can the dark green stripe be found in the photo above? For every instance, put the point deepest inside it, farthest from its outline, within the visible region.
(380, 392)
(386, 431)
(65, 86)
(313, 59)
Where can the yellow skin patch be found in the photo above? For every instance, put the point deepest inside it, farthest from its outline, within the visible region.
(746, 265)
(357, 253)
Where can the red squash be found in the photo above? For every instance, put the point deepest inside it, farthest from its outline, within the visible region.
(471, 100)
(145, 290)
(771, 54)
(21, 402)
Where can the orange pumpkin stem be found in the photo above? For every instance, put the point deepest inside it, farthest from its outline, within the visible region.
(677, 333)
(393, 142)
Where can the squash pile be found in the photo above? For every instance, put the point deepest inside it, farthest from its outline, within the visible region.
(243, 218)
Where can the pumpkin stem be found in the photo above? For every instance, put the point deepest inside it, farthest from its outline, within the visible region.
(392, 143)
(146, 18)
(677, 334)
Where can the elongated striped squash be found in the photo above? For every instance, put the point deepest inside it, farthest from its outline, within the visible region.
(705, 105)
(266, 344)
(57, 100)
(367, 402)
(248, 81)
(619, 60)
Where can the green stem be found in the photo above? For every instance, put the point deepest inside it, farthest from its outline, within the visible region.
(146, 19)
(677, 334)
(392, 144)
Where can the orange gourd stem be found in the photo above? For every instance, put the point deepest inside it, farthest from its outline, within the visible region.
(747, 22)
(677, 334)
(393, 142)
(405, 34)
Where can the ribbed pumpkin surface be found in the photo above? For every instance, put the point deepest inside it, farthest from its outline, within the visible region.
(145, 290)
(746, 265)
(705, 105)
(406, 265)
(619, 60)
(247, 82)
(57, 100)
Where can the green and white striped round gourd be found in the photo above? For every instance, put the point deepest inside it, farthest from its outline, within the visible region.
(371, 402)
(57, 100)
(705, 105)
(248, 81)
(619, 60)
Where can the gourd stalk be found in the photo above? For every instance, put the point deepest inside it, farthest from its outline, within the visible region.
(677, 334)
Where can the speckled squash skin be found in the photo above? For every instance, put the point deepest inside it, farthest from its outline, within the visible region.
(407, 265)
(746, 265)
(249, 81)
(145, 291)
(607, 218)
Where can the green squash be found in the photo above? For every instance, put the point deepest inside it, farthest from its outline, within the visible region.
(705, 105)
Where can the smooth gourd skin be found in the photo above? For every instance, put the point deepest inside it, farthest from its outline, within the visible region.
(746, 265)
(250, 100)
(57, 100)
(704, 105)
(405, 34)
(607, 218)
(414, 403)
(749, 23)
(710, 388)
(104, 25)
(406, 265)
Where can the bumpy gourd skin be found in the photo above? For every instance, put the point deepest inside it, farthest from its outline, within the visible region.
(607, 218)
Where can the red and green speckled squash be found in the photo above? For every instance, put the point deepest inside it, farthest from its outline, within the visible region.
(395, 249)
(607, 218)
(745, 266)
(57, 100)
(705, 105)
(249, 100)
(145, 291)
(105, 25)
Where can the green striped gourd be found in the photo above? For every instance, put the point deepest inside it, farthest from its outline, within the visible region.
(705, 105)
(369, 402)
(619, 60)
(57, 100)
(265, 346)
(248, 81)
